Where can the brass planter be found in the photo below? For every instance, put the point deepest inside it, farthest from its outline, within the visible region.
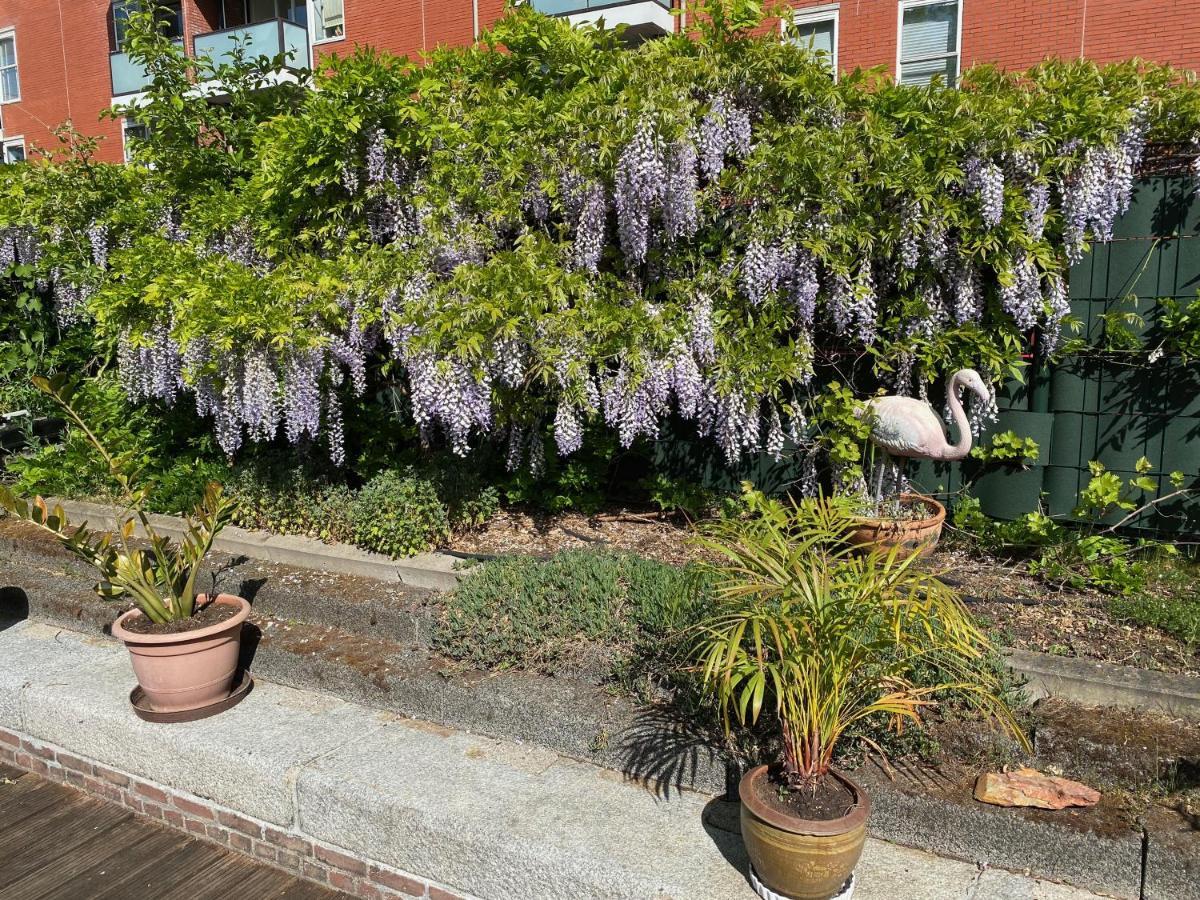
(799, 858)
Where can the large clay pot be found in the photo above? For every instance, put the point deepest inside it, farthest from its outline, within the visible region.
(188, 670)
(915, 535)
(800, 858)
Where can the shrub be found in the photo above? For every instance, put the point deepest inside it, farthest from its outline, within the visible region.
(290, 500)
(398, 513)
(522, 612)
(161, 447)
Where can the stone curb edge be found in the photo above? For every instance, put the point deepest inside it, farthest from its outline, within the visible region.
(435, 571)
(292, 851)
(1091, 682)
(1082, 681)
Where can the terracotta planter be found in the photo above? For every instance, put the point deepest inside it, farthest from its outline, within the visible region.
(911, 535)
(188, 670)
(799, 858)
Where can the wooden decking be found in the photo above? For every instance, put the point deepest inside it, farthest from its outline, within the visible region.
(56, 842)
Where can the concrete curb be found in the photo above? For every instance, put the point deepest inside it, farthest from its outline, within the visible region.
(1082, 681)
(302, 779)
(435, 571)
(1093, 683)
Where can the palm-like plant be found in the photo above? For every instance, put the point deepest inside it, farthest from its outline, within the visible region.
(824, 637)
(160, 579)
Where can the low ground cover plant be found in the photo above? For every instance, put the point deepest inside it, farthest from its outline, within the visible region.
(529, 613)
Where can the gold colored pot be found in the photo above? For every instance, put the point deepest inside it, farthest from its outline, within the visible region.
(799, 858)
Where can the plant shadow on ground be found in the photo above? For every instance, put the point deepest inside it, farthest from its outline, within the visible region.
(14, 606)
(722, 823)
(663, 749)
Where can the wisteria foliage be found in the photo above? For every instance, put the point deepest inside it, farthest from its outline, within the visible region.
(708, 228)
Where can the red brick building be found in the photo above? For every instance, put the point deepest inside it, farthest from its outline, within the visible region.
(62, 59)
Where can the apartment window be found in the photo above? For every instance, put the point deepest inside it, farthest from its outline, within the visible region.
(816, 29)
(10, 83)
(170, 17)
(265, 10)
(13, 150)
(930, 34)
(132, 131)
(329, 20)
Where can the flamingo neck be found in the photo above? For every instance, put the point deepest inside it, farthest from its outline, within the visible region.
(962, 447)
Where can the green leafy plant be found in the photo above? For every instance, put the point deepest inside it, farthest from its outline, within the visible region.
(680, 495)
(822, 638)
(1008, 447)
(1180, 324)
(160, 580)
(1090, 554)
(398, 513)
(164, 445)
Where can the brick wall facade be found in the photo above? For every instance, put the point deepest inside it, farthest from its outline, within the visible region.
(286, 849)
(1016, 34)
(63, 45)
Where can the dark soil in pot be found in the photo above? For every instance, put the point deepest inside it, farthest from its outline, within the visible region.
(213, 614)
(827, 799)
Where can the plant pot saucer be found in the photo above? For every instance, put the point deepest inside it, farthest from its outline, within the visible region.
(138, 701)
(766, 893)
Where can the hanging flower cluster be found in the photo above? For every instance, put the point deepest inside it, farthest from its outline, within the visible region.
(677, 235)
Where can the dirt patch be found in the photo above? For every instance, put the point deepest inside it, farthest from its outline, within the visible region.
(644, 533)
(213, 614)
(1017, 609)
(827, 799)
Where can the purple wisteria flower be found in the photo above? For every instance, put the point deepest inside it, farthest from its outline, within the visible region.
(639, 186)
(985, 180)
(1023, 298)
(679, 212)
(590, 228)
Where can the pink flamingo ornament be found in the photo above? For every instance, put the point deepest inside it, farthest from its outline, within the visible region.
(908, 428)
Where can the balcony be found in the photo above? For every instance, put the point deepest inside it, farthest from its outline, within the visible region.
(128, 77)
(644, 18)
(270, 38)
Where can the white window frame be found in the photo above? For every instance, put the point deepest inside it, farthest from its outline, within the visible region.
(905, 5)
(312, 19)
(127, 122)
(16, 141)
(11, 32)
(812, 15)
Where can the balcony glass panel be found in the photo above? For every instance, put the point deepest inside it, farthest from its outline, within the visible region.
(261, 39)
(565, 7)
(128, 77)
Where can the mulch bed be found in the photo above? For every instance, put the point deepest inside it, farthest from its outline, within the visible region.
(1019, 610)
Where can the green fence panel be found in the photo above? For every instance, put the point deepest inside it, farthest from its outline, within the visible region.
(1109, 410)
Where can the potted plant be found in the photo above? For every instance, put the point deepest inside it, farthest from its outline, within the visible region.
(822, 637)
(905, 428)
(184, 646)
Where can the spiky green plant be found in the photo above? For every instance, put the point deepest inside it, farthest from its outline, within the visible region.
(822, 636)
(161, 578)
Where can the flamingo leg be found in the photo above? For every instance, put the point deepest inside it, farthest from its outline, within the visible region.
(883, 464)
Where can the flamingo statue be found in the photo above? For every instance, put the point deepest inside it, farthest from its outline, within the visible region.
(908, 428)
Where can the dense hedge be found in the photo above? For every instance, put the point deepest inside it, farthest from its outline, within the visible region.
(550, 233)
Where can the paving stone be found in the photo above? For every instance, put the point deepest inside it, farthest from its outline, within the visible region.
(244, 758)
